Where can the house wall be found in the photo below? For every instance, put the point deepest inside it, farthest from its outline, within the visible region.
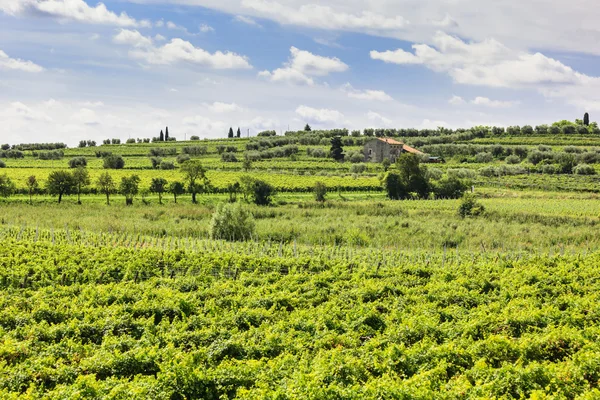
(378, 150)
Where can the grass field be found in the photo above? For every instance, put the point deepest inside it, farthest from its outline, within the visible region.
(359, 297)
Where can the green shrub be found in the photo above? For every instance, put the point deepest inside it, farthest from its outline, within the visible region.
(232, 222)
(114, 161)
(320, 191)
(484, 157)
(470, 207)
(514, 159)
(358, 168)
(584, 169)
(167, 165)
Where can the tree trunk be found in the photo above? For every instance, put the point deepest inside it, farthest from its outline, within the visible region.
(107, 199)
(30, 198)
(59, 198)
(175, 197)
(194, 197)
(159, 198)
(78, 197)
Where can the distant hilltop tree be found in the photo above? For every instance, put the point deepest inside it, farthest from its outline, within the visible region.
(307, 128)
(239, 133)
(167, 133)
(230, 134)
(586, 119)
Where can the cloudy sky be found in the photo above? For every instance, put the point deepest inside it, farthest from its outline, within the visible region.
(75, 69)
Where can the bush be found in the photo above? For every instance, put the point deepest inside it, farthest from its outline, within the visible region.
(262, 192)
(155, 162)
(232, 222)
(549, 169)
(449, 187)
(228, 157)
(355, 157)
(130, 141)
(316, 152)
(358, 168)
(166, 165)
(114, 161)
(77, 162)
(2, 164)
(470, 207)
(584, 169)
(320, 191)
(194, 137)
(484, 157)
(195, 150)
(514, 159)
(183, 158)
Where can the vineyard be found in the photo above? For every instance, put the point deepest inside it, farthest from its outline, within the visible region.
(349, 296)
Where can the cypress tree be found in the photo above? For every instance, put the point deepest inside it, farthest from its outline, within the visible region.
(167, 134)
(586, 119)
(230, 135)
(162, 136)
(239, 133)
(307, 128)
(336, 151)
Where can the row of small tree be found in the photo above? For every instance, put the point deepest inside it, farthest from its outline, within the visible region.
(194, 181)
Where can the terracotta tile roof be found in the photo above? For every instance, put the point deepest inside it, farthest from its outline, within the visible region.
(409, 149)
(390, 141)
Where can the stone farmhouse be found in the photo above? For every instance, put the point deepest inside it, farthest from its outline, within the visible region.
(378, 149)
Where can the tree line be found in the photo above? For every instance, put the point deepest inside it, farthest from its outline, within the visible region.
(194, 181)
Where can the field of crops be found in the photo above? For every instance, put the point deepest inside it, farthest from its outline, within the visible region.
(85, 320)
(356, 297)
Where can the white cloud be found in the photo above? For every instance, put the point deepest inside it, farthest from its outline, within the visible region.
(456, 100)
(70, 10)
(206, 28)
(247, 20)
(203, 125)
(220, 107)
(303, 66)
(319, 115)
(484, 101)
(132, 38)
(325, 17)
(369, 95)
(86, 116)
(16, 64)
(376, 117)
(178, 50)
(487, 63)
(428, 124)
(20, 111)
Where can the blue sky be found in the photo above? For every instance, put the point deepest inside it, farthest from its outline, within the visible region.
(75, 69)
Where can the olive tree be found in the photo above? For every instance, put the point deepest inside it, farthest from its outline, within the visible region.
(106, 185)
(61, 183)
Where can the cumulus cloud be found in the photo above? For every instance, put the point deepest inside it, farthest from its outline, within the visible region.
(70, 10)
(319, 114)
(16, 64)
(376, 117)
(303, 66)
(484, 101)
(325, 17)
(204, 28)
(486, 63)
(369, 95)
(456, 100)
(178, 50)
(220, 107)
